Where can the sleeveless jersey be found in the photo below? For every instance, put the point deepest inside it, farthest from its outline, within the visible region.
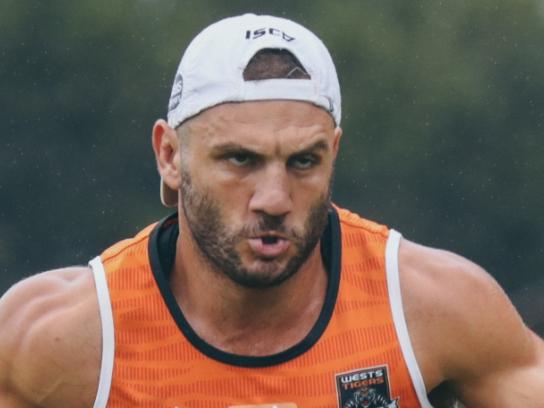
(358, 353)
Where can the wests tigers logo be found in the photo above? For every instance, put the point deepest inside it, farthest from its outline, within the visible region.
(365, 388)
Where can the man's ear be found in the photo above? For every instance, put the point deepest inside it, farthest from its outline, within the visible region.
(166, 147)
(336, 140)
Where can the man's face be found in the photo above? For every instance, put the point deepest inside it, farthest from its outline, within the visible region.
(256, 186)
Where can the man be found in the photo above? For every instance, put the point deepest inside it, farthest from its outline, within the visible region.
(259, 291)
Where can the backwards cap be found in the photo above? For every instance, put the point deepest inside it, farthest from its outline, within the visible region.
(211, 71)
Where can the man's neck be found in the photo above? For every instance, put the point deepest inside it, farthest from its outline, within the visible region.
(242, 320)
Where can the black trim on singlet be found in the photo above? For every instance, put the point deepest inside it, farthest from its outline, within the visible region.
(162, 249)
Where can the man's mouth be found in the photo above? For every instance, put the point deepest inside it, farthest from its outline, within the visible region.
(269, 245)
(269, 240)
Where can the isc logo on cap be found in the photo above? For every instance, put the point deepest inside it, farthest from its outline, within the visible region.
(251, 35)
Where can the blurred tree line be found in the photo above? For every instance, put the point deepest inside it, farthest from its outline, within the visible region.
(443, 123)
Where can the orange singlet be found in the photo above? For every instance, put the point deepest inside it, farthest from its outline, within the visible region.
(358, 354)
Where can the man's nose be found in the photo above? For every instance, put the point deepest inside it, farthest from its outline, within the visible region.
(272, 194)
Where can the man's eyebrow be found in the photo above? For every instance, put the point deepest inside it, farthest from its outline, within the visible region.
(227, 147)
(320, 144)
(230, 147)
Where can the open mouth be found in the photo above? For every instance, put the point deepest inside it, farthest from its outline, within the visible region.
(269, 246)
(269, 240)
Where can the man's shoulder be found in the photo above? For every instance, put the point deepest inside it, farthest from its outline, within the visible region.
(447, 286)
(452, 307)
(50, 335)
(423, 267)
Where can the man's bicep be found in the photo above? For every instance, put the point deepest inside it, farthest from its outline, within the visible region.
(31, 317)
(8, 398)
(12, 330)
(512, 386)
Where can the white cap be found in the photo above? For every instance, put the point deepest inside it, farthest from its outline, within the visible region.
(211, 71)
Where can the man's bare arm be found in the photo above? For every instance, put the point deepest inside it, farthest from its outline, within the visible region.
(467, 333)
(515, 385)
(50, 341)
(509, 368)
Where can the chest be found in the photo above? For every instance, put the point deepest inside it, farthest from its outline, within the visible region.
(351, 357)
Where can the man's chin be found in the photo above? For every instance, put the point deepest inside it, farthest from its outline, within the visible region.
(262, 275)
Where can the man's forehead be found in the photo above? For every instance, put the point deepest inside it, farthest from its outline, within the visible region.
(217, 131)
(270, 115)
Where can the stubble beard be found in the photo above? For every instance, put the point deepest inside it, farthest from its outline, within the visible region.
(217, 244)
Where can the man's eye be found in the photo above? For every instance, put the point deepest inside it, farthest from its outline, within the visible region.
(240, 159)
(304, 162)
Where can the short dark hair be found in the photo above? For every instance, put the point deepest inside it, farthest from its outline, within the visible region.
(272, 63)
